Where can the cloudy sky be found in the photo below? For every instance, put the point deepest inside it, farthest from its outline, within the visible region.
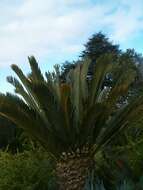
(55, 30)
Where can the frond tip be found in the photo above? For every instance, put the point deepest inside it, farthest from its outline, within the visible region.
(36, 74)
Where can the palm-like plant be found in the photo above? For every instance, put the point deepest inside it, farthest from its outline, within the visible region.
(72, 120)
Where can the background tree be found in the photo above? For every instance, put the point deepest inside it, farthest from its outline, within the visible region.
(96, 46)
(66, 67)
(99, 45)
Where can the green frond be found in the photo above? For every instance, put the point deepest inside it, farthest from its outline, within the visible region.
(16, 110)
(56, 84)
(19, 113)
(119, 89)
(19, 89)
(76, 93)
(51, 108)
(119, 121)
(36, 74)
(53, 81)
(83, 79)
(93, 122)
(65, 91)
(27, 84)
(103, 65)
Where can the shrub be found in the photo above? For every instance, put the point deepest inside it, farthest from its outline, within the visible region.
(29, 170)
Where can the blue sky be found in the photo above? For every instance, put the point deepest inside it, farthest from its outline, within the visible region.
(55, 30)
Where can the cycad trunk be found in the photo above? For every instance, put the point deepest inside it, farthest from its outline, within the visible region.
(72, 172)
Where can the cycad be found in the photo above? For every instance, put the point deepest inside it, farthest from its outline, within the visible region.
(72, 120)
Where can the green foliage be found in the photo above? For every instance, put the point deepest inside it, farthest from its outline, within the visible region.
(67, 112)
(96, 46)
(66, 116)
(31, 170)
(66, 67)
(99, 45)
(21, 142)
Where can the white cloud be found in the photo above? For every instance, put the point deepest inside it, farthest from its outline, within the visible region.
(127, 20)
(60, 27)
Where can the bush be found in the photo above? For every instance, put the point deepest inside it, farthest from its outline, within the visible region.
(29, 170)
